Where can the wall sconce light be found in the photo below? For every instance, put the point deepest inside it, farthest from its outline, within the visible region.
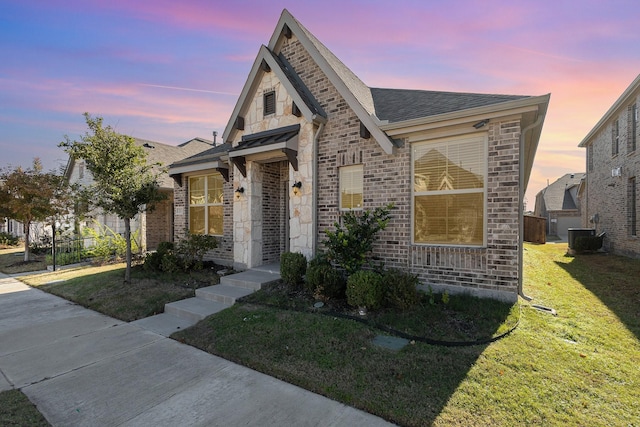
(239, 191)
(296, 187)
(481, 124)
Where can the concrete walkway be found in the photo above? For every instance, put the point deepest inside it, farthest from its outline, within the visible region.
(82, 368)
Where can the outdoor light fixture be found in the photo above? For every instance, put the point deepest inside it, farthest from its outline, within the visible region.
(239, 191)
(296, 187)
(481, 124)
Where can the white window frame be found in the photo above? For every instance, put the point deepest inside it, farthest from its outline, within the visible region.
(345, 182)
(479, 138)
(206, 203)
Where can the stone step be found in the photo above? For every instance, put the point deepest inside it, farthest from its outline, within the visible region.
(250, 279)
(223, 293)
(194, 309)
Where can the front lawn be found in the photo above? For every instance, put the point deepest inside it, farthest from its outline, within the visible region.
(17, 410)
(12, 261)
(102, 288)
(577, 368)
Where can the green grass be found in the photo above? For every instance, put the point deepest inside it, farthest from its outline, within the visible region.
(578, 368)
(102, 288)
(12, 261)
(17, 410)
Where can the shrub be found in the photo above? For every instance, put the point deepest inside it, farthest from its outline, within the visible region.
(192, 249)
(324, 280)
(41, 245)
(364, 289)
(349, 247)
(108, 244)
(7, 239)
(587, 243)
(400, 289)
(153, 260)
(293, 266)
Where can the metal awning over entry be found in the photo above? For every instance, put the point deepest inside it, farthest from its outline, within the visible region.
(270, 145)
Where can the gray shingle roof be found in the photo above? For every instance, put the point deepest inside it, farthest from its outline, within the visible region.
(397, 105)
(167, 154)
(557, 196)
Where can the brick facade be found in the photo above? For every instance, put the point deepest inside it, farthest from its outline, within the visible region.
(606, 201)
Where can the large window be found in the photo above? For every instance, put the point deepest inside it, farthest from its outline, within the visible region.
(206, 198)
(351, 188)
(449, 182)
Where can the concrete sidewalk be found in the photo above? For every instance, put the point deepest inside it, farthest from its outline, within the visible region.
(82, 368)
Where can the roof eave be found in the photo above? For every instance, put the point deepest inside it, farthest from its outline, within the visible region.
(620, 102)
(518, 106)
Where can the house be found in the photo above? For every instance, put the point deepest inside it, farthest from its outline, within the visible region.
(156, 226)
(558, 203)
(308, 140)
(610, 194)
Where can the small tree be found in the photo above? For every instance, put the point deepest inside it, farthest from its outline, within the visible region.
(30, 195)
(124, 183)
(350, 244)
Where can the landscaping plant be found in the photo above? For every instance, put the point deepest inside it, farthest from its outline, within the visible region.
(365, 289)
(350, 244)
(293, 266)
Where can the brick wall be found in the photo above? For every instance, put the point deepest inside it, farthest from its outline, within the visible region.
(274, 208)
(608, 196)
(224, 253)
(387, 179)
(159, 223)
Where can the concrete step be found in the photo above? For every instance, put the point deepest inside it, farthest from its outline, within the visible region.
(164, 323)
(194, 309)
(226, 294)
(250, 279)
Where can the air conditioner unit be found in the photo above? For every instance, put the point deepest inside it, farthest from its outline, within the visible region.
(616, 171)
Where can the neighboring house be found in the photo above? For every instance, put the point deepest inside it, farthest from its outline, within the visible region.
(155, 226)
(610, 194)
(16, 228)
(308, 140)
(558, 203)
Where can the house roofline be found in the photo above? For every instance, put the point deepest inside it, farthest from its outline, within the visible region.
(620, 102)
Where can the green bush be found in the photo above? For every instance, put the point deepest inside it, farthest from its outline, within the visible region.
(153, 261)
(349, 245)
(322, 279)
(7, 239)
(108, 244)
(192, 249)
(293, 266)
(364, 289)
(587, 243)
(400, 289)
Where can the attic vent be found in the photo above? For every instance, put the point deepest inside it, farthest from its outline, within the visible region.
(239, 124)
(269, 103)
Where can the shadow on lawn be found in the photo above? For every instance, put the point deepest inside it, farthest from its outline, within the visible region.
(614, 280)
(336, 358)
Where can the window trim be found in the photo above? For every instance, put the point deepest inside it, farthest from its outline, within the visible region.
(478, 137)
(205, 205)
(359, 166)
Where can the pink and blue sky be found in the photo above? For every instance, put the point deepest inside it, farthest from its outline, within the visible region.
(169, 71)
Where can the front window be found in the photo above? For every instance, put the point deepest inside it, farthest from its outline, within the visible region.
(351, 187)
(449, 182)
(206, 198)
(633, 212)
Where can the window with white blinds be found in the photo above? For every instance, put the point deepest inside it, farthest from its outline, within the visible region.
(351, 187)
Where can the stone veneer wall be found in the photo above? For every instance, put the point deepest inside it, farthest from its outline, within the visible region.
(608, 196)
(492, 270)
(248, 224)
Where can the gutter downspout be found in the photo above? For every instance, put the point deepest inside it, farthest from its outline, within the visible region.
(314, 226)
(521, 205)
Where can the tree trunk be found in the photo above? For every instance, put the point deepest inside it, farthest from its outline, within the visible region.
(26, 230)
(127, 238)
